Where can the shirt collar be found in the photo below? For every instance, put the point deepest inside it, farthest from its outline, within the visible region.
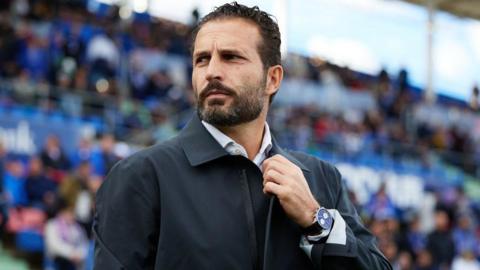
(209, 149)
(226, 141)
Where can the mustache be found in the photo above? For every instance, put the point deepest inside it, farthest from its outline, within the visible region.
(215, 86)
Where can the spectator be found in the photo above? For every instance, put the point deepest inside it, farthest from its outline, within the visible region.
(159, 84)
(439, 242)
(53, 156)
(404, 261)
(73, 184)
(425, 261)
(103, 57)
(76, 190)
(104, 157)
(415, 237)
(83, 152)
(8, 48)
(383, 91)
(34, 59)
(380, 206)
(403, 83)
(40, 189)
(14, 184)
(66, 242)
(464, 237)
(102, 47)
(162, 128)
(465, 261)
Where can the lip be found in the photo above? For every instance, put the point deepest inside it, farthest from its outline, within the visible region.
(217, 93)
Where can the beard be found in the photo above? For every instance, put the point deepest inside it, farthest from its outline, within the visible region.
(246, 105)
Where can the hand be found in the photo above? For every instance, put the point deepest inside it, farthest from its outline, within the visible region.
(76, 259)
(286, 181)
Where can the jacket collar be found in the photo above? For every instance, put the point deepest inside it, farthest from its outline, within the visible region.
(200, 146)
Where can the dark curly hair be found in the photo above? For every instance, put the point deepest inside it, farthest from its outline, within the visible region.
(269, 48)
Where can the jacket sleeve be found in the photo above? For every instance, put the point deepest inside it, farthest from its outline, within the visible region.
(127, 223)
(359, 250)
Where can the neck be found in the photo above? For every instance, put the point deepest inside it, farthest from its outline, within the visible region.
(249, 135)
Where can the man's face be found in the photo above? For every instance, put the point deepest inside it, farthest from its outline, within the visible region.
(228, 76)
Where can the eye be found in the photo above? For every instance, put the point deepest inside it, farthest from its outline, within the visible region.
(201, 59)
(231, 56)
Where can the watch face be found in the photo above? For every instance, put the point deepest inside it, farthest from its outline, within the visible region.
(324, 219)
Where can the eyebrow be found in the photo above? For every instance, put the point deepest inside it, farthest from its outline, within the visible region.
(222, 51)
(200, 54)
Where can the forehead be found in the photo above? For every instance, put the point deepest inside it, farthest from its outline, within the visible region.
(232, 33)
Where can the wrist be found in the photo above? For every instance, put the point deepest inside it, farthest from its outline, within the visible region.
(309, 215)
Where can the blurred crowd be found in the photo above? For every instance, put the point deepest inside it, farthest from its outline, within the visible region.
(47, 200)
(442, 234)
(67, 59)
(133, 73)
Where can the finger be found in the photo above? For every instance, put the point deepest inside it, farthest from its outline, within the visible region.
(285, 163)
(290, 170)
(280, 162)
(273, 188)
(274, 176)
(275, 165)
(281, 159)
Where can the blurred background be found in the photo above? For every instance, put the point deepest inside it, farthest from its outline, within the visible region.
(387, 90)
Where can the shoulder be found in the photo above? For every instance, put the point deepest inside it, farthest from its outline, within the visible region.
(149, 157)
(313, 163)
(140, 171)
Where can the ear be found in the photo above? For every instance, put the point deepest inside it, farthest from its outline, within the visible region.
(274, 79)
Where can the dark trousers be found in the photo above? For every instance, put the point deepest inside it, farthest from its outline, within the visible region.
(63, 264)
(3, 219)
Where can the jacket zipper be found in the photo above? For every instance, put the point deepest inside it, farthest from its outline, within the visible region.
(249, 211)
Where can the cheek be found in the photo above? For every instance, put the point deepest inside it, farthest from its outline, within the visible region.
(194, 77)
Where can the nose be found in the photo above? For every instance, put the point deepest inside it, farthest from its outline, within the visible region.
(214, 69)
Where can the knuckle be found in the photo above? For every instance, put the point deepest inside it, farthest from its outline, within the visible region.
(267, 186)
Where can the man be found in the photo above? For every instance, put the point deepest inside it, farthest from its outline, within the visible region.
(223, 194)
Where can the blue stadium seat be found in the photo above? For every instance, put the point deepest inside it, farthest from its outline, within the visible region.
(29, 241)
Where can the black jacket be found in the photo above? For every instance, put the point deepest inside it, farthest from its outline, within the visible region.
(188, 204)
